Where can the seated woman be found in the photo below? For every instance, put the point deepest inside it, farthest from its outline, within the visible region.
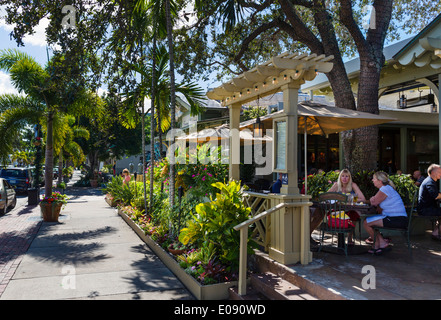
(393, 213)
(346, 186)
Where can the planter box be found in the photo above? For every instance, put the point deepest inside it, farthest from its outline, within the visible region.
(110, 202)
(218, 291)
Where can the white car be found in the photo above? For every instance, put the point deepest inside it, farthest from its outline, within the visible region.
(8, 197)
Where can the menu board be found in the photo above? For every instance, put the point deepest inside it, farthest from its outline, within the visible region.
(281, 145)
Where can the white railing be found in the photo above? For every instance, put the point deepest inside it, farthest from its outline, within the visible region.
(259, 202)
(243, 229)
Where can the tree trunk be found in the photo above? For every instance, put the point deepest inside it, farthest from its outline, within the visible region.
(362, 143)
(152, 120)
(172, 96)
(49, 156)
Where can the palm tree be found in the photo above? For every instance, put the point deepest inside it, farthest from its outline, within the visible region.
(43, 100)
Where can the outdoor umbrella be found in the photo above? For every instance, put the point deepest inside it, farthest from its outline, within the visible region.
(220, 133)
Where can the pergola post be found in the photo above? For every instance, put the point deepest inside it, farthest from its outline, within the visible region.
(234, 154)
(290, 101)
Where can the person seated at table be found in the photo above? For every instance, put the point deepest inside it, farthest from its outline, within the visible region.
(419, 178)
(277, 185)
(428, 196)
(346, 186)
(391, 208)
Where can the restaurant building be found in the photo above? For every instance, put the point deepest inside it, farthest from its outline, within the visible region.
(408, 91)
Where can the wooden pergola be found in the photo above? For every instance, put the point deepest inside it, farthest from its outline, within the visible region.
(286, 73)
(289, 210)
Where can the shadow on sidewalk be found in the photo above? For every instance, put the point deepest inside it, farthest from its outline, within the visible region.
(73, 248)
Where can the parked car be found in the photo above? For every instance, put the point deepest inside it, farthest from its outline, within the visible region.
(8, 197)
(20, 178)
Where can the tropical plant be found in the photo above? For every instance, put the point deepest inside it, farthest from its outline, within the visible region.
(214, 222)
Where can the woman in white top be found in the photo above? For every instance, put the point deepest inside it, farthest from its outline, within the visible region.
(390, 205)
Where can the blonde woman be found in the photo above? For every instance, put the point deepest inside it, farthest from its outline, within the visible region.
(393, 213)
(346, 186)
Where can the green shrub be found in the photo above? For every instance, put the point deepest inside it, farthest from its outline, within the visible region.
(214, 222)
(405, 186)
(321, 182)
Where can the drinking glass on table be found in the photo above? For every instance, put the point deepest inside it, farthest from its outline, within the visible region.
(355, 199)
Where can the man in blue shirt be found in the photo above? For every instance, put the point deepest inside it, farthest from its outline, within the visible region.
(275, 188)
(428, 196)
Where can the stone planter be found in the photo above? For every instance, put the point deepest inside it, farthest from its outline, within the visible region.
(50, 211)
(218, 291)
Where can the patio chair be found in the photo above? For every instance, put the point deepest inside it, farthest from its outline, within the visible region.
(405, 231)
(432, 219)
(332, 204)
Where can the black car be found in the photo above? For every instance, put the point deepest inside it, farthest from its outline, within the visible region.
(20, 178)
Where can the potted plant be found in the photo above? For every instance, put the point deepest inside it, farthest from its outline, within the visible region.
(51, 206)
(36, 141)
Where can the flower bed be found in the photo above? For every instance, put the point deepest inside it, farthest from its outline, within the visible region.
(110, 200)
(218, 291)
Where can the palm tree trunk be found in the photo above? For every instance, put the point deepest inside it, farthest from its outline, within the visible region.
(49, 162)
(172, 96)
(152, 119)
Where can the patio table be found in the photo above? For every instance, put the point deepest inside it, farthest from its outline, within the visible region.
(364, 210)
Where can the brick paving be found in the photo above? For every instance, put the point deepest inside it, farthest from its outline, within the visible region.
(18, 228)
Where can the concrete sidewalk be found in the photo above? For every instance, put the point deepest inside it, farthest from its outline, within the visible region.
(90, 254)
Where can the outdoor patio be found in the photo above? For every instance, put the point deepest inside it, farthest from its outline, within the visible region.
(397, 274)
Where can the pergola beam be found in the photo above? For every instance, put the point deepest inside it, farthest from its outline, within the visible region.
(268, 77)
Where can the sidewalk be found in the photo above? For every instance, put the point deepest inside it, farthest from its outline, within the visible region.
(90, 254)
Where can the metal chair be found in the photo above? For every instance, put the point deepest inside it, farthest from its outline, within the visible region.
(405, 231)
(332, 204)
